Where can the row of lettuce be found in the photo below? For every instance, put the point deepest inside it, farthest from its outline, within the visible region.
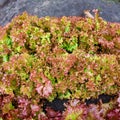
(67, 58)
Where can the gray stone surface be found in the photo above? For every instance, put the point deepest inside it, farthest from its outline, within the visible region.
(109, 10)
(2, 2)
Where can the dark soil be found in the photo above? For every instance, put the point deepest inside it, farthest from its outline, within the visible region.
(109, 10)
(58, 105)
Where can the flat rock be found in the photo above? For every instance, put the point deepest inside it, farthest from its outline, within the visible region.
(109, 10)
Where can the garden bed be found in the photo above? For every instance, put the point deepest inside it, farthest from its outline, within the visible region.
(72, 60)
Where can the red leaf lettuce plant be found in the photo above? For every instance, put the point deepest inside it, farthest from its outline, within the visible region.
(45, 58)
